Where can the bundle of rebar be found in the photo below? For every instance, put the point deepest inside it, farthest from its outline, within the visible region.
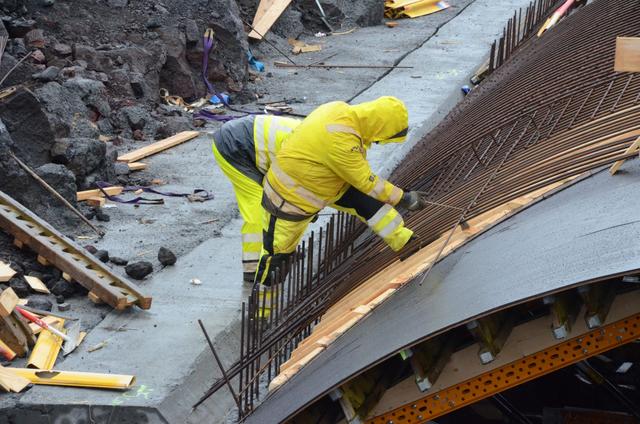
(554, 109)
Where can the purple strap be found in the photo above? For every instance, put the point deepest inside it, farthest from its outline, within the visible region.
(197, 195)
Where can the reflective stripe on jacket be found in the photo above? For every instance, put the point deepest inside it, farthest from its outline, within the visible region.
(250, 143)
(327, 153)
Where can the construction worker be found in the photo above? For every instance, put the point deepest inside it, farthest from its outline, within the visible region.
(244, 149)
(323, 163)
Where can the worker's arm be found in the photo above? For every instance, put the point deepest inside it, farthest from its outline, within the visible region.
(346, 159)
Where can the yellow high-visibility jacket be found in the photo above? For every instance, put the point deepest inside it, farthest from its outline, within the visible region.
(327, 153)
(250, 143)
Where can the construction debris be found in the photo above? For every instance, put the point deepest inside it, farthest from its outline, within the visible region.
(8, 301)
(6, 273)
(36, 284)
(298, 46)
(92, 194)
(75, 379)
(48, 345)
(54, 248)
(267, 14)
(11, 382)
(395, 9)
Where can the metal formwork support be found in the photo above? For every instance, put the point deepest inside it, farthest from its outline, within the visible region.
(527, 368)
(491, 333)
(428, 360)
(597, 299)
(564, 309)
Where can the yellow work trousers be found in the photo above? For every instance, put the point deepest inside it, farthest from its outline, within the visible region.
(281, 237)
(249, 196)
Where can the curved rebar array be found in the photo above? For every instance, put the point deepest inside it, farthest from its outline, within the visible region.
(554, 109)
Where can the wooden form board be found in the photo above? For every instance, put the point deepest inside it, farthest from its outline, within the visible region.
(11, 382)
(89, 194)
(262, 9)
(635, 146)
(6, 273)
(36, 284)
(269, 17)
(359, 302)
(8, 301)
(627, 54)
(137, 166)
(159, 146)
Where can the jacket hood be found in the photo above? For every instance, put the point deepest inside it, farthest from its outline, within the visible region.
(384, 120)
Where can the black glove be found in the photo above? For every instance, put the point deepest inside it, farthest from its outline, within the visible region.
(412, 201)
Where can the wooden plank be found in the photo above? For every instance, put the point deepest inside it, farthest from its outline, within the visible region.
(137, 166)
(635, 146)
(12, 334)
(262, 9)
(88, 194)
(6, 272)
(96, 202)
(36, 284)
(269, 18)
(8, 301)
(627, 54)
(10, 381)
(159, 146)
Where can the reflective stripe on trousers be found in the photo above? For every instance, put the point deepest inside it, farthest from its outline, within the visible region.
(249, 197)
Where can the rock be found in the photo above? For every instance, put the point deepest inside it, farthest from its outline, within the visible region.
(18, 28)
(173, 125)
(91, 92)
(84, 157)
(166, 257)
(122, 168)
(40, 302)
(138, 135)
(49, 74)
(176, 75)
(289, 24)
(20, 286)
(138, 85)
(153, 23)
(48, 3)
(34, 39)
(192, 33)
(118, 3)
(91, 249)
(134, 116)
(139, 270)
(90, 214)
(63, 307)
(29, 127)
(48, 207)
(101, 216)
(63, 288)
(38, 56)
(118, 261)
(103, 255)
(66, 111)
(59, 299)
(16, 48)
(62, 50)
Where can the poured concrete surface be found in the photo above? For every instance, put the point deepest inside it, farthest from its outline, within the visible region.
(164, 347)
(587, 232)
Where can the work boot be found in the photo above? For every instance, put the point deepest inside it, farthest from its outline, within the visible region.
(265, 301)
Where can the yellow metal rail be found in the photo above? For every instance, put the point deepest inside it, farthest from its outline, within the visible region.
(515, 373)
